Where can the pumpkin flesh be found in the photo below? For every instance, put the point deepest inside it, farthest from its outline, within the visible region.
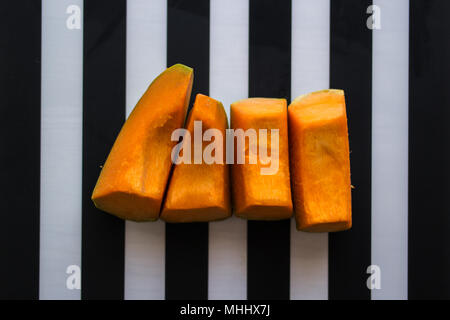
(258, 196)
(200, 192)
(320, 163)
(133, 179)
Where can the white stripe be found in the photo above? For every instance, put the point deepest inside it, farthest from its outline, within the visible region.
(146, 59)
(227, 278)
(61, 149)
(310, 72)
(390, 149)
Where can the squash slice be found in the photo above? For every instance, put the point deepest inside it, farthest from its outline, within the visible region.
(134, 177)
(260, 193)
(200, 191)
(320, 163)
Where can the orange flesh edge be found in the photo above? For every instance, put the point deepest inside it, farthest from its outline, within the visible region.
(257, 196)
(320, 162)
(134, 177)
(200, 192)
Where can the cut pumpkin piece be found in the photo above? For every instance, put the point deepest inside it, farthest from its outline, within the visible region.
(320, 162)
(261, 186)
(134, 177)
(199, 187)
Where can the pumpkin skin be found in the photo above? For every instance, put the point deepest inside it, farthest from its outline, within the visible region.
(257, 196)
(200, 192)
(320, 162)
(133, 180)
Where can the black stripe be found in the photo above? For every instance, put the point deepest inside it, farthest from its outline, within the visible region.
(268, 266)
(351, 70)
(187, 244)
(429, 151)
(103, 115)
(20, 105)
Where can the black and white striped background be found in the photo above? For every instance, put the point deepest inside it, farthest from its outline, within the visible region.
(66, 91)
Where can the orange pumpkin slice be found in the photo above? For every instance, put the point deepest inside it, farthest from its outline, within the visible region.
(134, 177)
(261, 190)
(200, 191)
(320, 164)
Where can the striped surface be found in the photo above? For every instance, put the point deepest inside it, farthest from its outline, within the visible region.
(351, 70)
(186, 267)
(66, 93)
(20, 105)
(103, 237)
(268, 242)
(429, 137)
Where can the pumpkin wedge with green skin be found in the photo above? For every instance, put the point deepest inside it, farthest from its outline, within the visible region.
(320, 162)
(133, 180)
(200, 192)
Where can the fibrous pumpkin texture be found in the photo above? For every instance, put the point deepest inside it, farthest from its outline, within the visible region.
(320, 163)
(261, 190)
(132, 182)
(200, 191)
